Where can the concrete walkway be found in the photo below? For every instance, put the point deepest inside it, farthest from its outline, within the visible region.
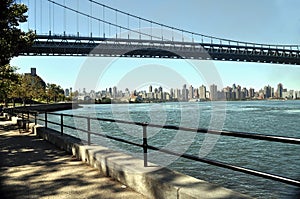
(33, 168)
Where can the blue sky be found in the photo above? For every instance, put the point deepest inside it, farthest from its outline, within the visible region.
(260, 21)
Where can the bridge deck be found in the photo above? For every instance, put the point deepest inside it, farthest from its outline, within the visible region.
(117, 47)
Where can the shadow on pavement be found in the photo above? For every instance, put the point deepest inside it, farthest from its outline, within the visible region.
(33, 168)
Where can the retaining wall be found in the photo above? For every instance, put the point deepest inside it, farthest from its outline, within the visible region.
(45, 107)
(152, 181)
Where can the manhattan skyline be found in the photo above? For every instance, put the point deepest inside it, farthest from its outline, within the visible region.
(190, 92)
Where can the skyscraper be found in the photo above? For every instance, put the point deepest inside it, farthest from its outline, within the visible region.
(160, 89)
(67, 92)
(279, 90)
(177, 94)
(251, 92)
(115, 92)
(171, 93)
(191, 92)
(184, 93)
(202, 92)
(150, 89)
(213, 92)
(268, 92)
(196, 93)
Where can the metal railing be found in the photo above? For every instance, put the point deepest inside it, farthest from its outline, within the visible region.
(146, 146)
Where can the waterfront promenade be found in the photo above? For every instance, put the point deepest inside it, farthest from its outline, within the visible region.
(33, 168)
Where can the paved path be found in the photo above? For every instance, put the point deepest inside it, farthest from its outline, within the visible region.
(32, 168)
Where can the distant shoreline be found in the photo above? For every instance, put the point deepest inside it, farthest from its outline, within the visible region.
(206, 101)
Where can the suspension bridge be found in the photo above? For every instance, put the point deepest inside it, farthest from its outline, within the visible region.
(110, 32)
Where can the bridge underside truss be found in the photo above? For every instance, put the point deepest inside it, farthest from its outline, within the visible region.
(85, 46)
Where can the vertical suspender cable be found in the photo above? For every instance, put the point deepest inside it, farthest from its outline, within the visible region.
(35, 16)
(28, 16)
(151, 30)
(109, 32)
(128, 25)
(49, 18)
(103, 22)
(64, 17)
(91, 20)
(53, 18)
(77, 19)
(41, 17)
(99, 23)
(139, 27)
(116, 24)
(162, 33)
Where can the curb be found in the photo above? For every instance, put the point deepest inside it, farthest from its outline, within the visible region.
(152, 181)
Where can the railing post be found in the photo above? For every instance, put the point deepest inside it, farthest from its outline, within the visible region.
(62, 124)
(145, 144)
(89, 130)
(46, 120)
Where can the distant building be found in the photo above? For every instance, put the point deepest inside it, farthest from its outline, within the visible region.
(296, 95)
(213, 92)
(33, 71)
(238, 92)
(279, 90)
(171, 93)
(267, 92)
(207, 94)
(177, 94)
(191, 92)
(150, 89)
(245, 93)
(228, 93)
(287, 94)
(115, 92)
(196, 93)
(251, 92)
(202, 92)
(67, 92)
(160, 89)
(38, 78)
(184, 93)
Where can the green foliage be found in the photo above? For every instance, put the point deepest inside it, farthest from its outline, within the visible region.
(12, 39)
(54, 93)
(8, 78)
(29, 88)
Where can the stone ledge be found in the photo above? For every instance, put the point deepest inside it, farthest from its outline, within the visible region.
(153, 181)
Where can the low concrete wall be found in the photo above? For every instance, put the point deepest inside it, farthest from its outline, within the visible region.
(152, 181)
(46, 107)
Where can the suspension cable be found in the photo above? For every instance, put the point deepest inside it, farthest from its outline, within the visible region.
(95, 18)
(178, 29)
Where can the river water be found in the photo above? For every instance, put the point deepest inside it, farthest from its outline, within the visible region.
(265, 117)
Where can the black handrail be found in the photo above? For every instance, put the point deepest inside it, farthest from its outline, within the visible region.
(256, 136)
(145, 146)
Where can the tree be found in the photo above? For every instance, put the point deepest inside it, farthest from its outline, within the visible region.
(12, 39)
(8, 78)
(30, 87)
(54, 93)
